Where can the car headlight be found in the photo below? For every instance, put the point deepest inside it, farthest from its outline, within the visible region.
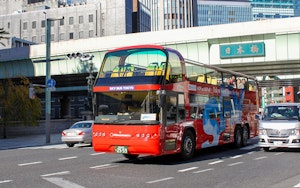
(295, 132)
(262, 132)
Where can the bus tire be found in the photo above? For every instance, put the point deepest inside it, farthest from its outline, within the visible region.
(238, 137)
(245, 136)
(188, 145)
(130, 156)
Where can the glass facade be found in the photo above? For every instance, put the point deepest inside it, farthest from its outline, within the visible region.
(222, 12)
(269, 9)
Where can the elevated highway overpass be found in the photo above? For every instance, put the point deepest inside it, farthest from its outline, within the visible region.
(280, 39)
(266, 49)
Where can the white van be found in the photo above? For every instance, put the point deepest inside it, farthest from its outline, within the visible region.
(279, 126)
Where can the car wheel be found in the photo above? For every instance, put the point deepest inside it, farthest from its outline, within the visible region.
(70, 145)
(266, 148)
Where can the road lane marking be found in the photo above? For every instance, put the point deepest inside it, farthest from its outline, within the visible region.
(105, 166)
(160, 180)
(100, 153)
(6, 181)
(233, 164)
(31, 163)
(259, 158)
(204, 170)
(279, 153)
(187, 169)
(67, 158)
(216, 162)
(56, 173)
(236, 156)
(298, 185)
(62, 182)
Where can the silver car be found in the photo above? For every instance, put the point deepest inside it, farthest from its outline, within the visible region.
(79, 132)
(279, 126)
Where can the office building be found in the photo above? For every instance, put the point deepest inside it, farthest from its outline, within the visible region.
(171, 14)
(25, 20)
(270, 9)
(222, 12)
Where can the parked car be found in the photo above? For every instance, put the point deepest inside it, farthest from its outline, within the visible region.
(79, 132)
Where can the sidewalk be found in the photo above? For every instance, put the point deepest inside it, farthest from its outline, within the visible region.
(29, 141)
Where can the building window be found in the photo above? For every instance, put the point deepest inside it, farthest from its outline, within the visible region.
(33, 39)
(33, 25)
(52, 37)
(81, 34)
(71, 21)
(71, 36)
(8, 25)
(43, 23)
(80, 19)
(91, 17)
(231, 12)
(91, 33)
(62, 36)
(25, 26)
(61, 22)
(43, 38)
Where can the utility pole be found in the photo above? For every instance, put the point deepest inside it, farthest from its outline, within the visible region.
(48, 77)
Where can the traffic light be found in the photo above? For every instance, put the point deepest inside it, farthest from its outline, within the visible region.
(31, 92)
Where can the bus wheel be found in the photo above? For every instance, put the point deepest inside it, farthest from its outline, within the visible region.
(188, 145)
(238, 137)
(245, 136)
(130, 156)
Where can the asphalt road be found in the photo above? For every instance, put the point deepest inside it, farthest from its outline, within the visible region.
(78, 167)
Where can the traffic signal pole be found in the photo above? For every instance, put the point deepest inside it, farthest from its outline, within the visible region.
(48, 77)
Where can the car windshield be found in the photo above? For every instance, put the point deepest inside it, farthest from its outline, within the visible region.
(281, 112)
(81, 125)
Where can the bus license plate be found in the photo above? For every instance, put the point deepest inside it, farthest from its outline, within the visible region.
(121, 149)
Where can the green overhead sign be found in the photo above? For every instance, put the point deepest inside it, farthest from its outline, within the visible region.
(242, 50)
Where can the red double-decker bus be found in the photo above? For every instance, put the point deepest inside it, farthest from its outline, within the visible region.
(149, 100)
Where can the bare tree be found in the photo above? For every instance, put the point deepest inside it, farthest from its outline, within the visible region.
(3, 32)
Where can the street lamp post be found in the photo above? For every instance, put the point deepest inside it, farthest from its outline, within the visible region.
(48, 77)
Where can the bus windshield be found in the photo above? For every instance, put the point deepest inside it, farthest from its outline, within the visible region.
(132, 62)
(130, 107)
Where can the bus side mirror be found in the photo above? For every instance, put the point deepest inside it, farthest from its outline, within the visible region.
(257, 116)
(161, 98)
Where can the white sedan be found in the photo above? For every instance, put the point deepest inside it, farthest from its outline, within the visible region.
(79, 132)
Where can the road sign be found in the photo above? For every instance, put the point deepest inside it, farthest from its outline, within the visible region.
(51, 83)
